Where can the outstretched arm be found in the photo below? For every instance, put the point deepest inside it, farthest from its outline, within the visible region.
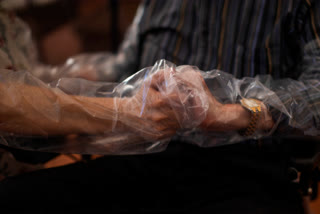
(31, 110)
(40, 110)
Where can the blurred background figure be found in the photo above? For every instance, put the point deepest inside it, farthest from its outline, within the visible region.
(65, 28)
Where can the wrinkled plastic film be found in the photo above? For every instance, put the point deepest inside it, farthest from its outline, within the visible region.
(129, 119)
(127, 130)
(131, 131)
(180, 87)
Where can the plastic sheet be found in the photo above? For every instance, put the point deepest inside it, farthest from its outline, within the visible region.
(53, 108)
(139, 115)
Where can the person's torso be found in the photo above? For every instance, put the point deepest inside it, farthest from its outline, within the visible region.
(244, 38)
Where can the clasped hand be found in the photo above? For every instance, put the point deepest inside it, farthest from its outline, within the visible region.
(173, 99)
(167, 101)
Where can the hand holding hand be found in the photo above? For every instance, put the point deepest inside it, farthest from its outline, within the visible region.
(214, 115)
(148, 112)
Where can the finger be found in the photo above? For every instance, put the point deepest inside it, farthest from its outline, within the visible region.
(159, 79)
(159, 116)
(160, 102)
(164, 128)
(172, 125)
(148, 93)
(191, 79)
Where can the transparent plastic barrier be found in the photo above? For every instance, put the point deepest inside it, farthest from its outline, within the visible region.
(139, 115)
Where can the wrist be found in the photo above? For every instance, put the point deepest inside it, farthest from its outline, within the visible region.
(260, 118)
(228, 117)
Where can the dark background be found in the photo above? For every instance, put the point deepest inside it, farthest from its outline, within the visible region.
(68, 27)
